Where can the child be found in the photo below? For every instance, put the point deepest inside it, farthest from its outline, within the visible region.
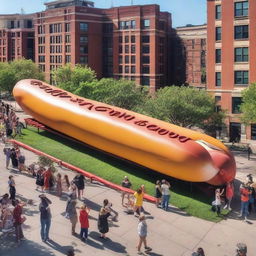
(84, 222)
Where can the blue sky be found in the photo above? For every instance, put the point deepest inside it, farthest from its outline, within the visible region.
(183, 11)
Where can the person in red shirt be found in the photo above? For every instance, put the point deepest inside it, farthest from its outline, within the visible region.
(244, 191)
(229, 195)
(17, 220)
(84, 221)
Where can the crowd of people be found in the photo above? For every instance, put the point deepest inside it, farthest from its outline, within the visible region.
(10, 125)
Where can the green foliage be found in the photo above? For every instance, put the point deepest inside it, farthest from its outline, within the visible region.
(121, 93)
(11, 73)
(183, 106)
(69, 78)
(248, 106)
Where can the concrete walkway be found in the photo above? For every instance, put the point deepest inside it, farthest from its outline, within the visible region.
(171, 233)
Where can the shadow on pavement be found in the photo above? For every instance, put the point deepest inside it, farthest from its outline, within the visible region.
(108, 243)
(10, 247)
(58, 247)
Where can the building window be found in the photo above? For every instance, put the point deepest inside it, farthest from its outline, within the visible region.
(120, 49)
(41, 58)
(126, 39)
(68, 48)
(145, 23)
(120, 69)
(120, 39)
(67, 58)
(133, 24)
(236, 102)
(108, 27)
(83, 39)
(241, 32)
(67, 39)
(218, 33)
(241, 77)
(83, 49)
(133, 48)
(145, 60)
(126, 69)
(133, 69)
(218, 55)
(145, 49)
(217, 99)
(83, 26)
(67, 27)
(145, 39)
(253, 131)
(126, 59)
(241, 9)
(127, 49)
(84, 60)
(241, 54)
(218, 12)
(145, 69)
(133, 59)
(203, 62)
(218, 79)
(145, 80)
(120, 59)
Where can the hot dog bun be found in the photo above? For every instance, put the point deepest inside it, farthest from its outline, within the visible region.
(166, 148)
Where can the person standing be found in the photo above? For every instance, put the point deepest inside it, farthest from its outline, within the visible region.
(79, 181)
(40, 179)
(126, 184)
(218, 200)
(165, 194)
(58, 185)
(45, 217)
(12, 189)
(7, 152)
(17, 220)
(229, 195)
(71, 211)
(138, 201)
(84, 221)
(47, 176)
(142, 231)
(158, 192)
(65, 183)
(103, 222)
(244, 191)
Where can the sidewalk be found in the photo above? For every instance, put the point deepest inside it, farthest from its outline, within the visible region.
(171, 233)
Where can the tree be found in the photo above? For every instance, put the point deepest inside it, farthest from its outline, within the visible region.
(248, 106)
(183, 106)
(121, 93)
(11, 73)
(69, 78)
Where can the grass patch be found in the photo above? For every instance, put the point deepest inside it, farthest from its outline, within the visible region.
(184, 195)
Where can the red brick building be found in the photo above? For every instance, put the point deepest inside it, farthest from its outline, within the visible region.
(193, 49)
(231, 65)
(16, 37)
(122, 42)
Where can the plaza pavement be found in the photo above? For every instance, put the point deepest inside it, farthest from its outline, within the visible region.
(172, 233)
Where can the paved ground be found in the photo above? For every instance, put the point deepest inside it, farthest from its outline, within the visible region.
(170, 233)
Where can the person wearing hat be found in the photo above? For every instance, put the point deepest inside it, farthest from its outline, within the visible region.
(45, 217)
(126, 184)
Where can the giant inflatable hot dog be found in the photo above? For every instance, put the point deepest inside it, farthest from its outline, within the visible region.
(175, 151)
